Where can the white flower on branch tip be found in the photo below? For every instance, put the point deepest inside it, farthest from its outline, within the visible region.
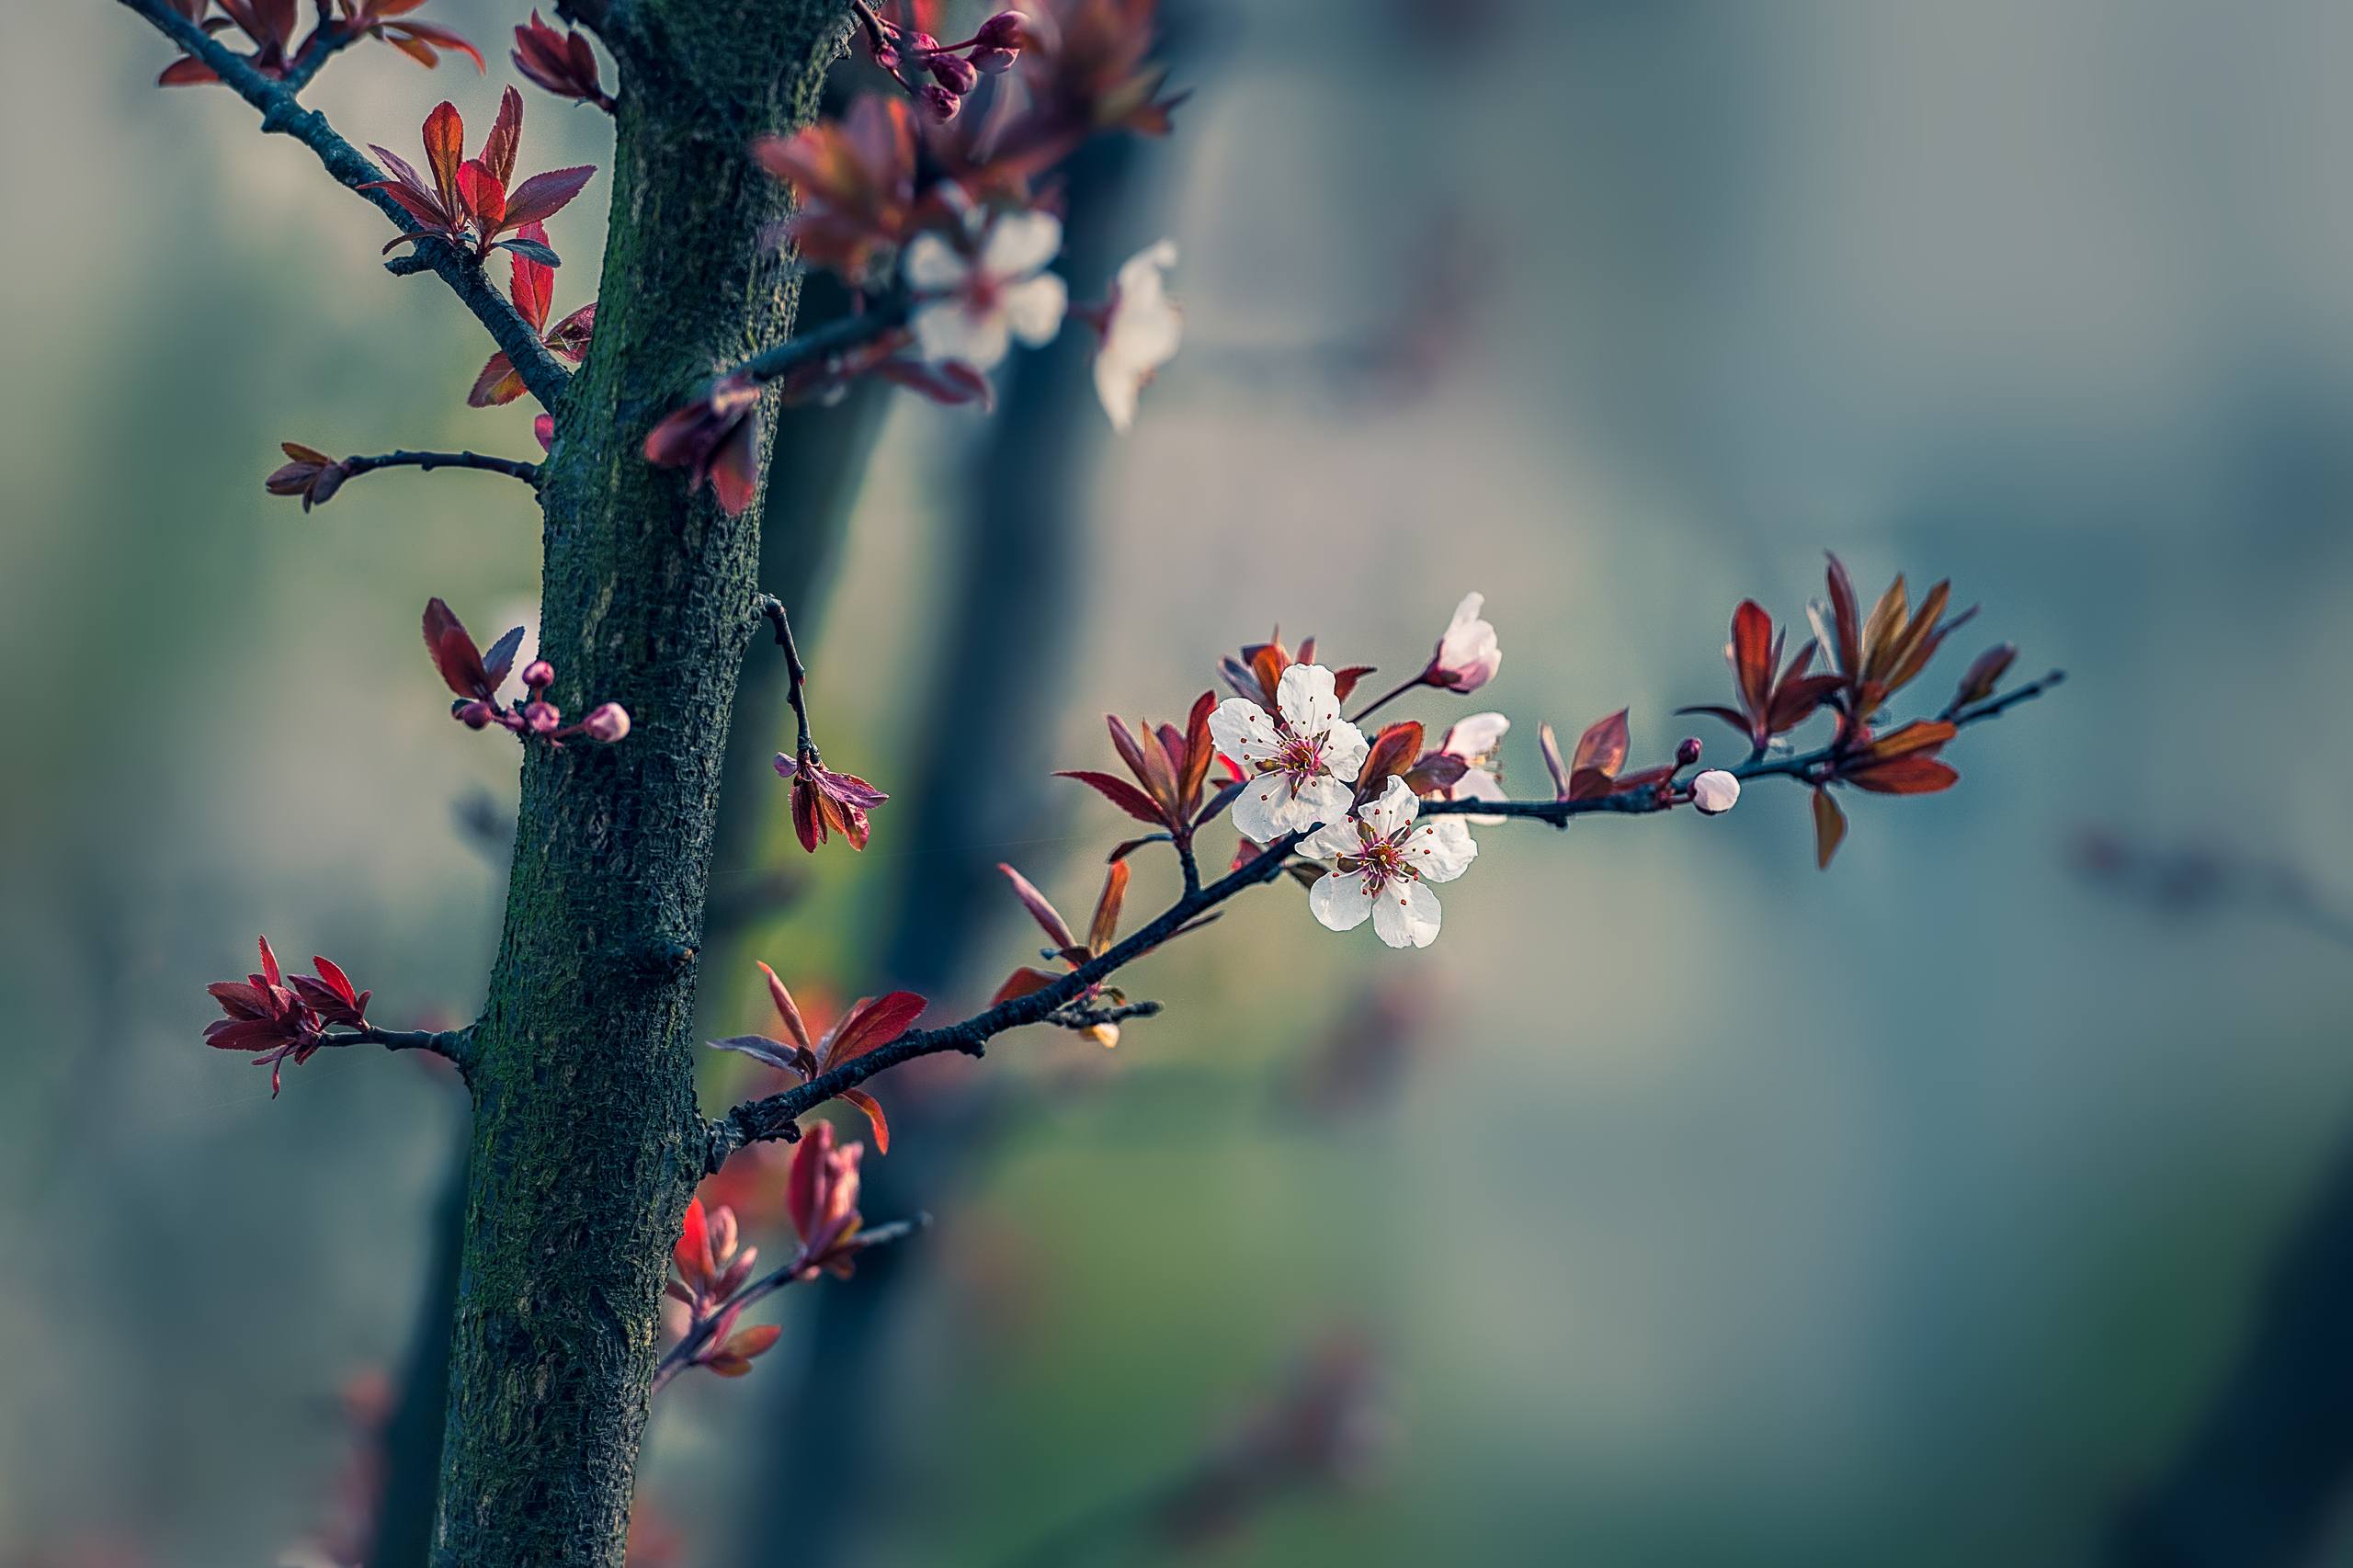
(1715, 792)
(1141, 328)
(1302, 758)
(1474, 738)
(970, 308)
(1468, 655)
(1384, 860)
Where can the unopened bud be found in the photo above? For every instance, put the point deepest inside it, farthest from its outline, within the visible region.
(323, 488)
(940, 103)
(473, 715)
(953, 73)
(1689, 752)
(994, 61)
(1715, 792)
(538, 674)
(607, 723)
(1001, 31)
(541, 717)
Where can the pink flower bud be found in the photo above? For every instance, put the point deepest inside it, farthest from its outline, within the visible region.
(940, 103)
(541, 717)
(1001, 31)
(474, 715)
(538, 674)
(1689, 752)
(994, 61)
(1467, 656)
(953, 73)
(1715, 792)
(607, 723)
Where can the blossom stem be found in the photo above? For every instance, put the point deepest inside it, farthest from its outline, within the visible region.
(514, 467)
(1361, 714)
(282, 113)
(771, 609)
(697, 1339)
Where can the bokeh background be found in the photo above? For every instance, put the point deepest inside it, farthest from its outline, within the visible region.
(1685, 1205)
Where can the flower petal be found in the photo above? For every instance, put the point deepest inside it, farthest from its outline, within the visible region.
(1243, 730)
(1404, 914)
(1306, 698)
(1340, 901)
(1034, 309)
(1021, 243)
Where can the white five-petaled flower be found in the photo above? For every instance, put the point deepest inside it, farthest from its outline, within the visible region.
(1715, 792)
(1301, 759)
(971, 308)
(1385, 858)
(1141, 326)
(1474, 738)
(1468, 655)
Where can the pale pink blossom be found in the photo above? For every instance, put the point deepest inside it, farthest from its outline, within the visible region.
(1141, 328)
(1715, 792)
(1302, 758)
(1475, 738)
(1384, 861)
(970, 308)
(1468, 655)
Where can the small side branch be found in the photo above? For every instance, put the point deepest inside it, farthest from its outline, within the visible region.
(324, 45)
(455, 1045)
(771, 609)
(282, 113)
(514, 467)
(839, 337)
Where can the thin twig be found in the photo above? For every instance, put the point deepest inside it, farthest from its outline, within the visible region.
(850, 332)
(777, 1115)
(514, 467)
(1087, 1014)
(681, 1355)
(282, 113)
(771, 609)
(330, 39)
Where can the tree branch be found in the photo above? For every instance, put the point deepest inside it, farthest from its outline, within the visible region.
(771, 609)
(777, 1115)
(835, 338)
(514, 467)
(698, 1337)
(329, 41)
(282, 113)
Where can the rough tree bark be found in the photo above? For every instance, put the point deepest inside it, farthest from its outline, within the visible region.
(586, 1140)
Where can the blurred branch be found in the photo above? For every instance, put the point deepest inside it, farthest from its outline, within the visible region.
(403, 1532)
(282, 113)
(2196, 880)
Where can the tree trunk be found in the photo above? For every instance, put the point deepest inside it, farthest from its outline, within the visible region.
(586, 1138)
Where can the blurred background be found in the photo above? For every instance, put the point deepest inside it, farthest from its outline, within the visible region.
(1981, 1200)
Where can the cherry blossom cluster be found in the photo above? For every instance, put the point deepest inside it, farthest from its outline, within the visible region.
(939, 75)
(475, 676)
(936, 223)
(271, 26)
(713, 1284)
(280, 1018)
(560, 63)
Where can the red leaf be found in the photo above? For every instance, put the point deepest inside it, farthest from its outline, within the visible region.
(532, 284)
(872, 1024)
(444, 149)
(1752, 653)
(1602, 747)
(499, 382)
(1393, 752)
(1119, 792)
(1022, 982)
(1911, 774)
(543, 196)
(794, 1024)
(454, 653)
(1041, 908)
(505, 136)
(484, 195)
(692, 1254)
(866, 1103)
(1829, 828)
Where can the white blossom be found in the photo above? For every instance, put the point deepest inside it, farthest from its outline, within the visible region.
(1385, 860)
(1715, 792)
(1141, 327)
(1474, 738)
(1301, 759)
(971, 308)
(1468, 655)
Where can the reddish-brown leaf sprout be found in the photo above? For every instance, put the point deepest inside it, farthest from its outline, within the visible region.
(870, 1022)
(467, 204)
(711, 1268)
(562, 62)
(532, 285)
(826, 803)
(308, 472)
(854, 185)
(1770, 704)
(279, 1019)
(1878, 655)
(937, 75)
(475, 678)
(1171, 770)
(1101, 932)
